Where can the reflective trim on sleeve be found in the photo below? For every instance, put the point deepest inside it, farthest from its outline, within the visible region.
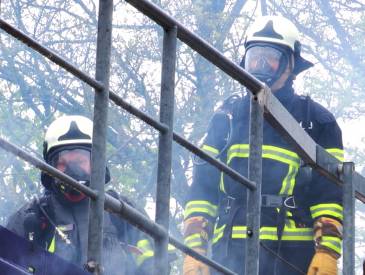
(337, 153)
(147, 251)
(52, 246)
(327, 209)
(333, 243)
(209, 149)
(200, 207)
(194, 240)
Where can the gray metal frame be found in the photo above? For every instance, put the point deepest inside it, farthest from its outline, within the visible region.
(263, 104)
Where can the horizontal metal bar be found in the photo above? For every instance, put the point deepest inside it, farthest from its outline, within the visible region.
(111, 204)
(51, 55)
(198, 44)
(213, 161)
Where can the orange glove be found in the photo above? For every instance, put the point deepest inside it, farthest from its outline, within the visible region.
(197, 232)
(192, 266)
(323, 263)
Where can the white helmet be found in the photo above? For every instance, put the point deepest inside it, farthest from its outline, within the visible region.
(68, 130)
(279, 31)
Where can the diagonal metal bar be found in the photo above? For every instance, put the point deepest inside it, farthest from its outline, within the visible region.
(111, 205)
(216, 163)
(198, 44)
(51, 55)
(119, 101)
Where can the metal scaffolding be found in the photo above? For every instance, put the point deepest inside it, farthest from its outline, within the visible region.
(263, 104)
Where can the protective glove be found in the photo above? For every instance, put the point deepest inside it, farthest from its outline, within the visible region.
(192, 266)
(197, 231)
(327, 231)
(323, 263)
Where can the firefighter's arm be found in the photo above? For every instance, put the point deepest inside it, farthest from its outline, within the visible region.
(201, 207)
(327, 210)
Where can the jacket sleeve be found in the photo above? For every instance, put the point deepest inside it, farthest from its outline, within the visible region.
(325, 197)
(202, 198)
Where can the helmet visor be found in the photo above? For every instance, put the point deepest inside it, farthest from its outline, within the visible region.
(75, 162)
(263, 61)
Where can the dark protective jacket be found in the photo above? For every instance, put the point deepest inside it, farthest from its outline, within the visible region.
(124, 247)
(223, 201)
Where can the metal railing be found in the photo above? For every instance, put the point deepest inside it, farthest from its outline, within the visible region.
(263, 104)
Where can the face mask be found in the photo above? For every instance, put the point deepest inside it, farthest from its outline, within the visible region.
(266, 63)
(76, 164)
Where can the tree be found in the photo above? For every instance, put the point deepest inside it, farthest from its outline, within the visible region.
(35, 91)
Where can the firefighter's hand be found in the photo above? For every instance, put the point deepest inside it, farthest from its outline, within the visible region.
(192, 266)
(323, 263)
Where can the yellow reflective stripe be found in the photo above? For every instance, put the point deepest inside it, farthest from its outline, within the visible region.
(239, 232)
(144, 256)
(147, 252)
(218, 233)
(289, 234)
(237, 150)
(171, 248)
(268, 151)
(337, 153)
(236, 155)
(146, 248)
(288, 184)
(324, 209)
(144, 245)
(210, 149)
(333, 243)
(268, 233)
(221, 184)
(194, 240)
(201, 207)
(52, 246)
(281, 155)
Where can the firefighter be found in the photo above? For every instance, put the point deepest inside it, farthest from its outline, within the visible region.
(58, 221)
(295, 210)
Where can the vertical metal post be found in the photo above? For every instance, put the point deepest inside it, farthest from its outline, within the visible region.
(165, 146)
(101, 98)
(348, 219)
(254, 196)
